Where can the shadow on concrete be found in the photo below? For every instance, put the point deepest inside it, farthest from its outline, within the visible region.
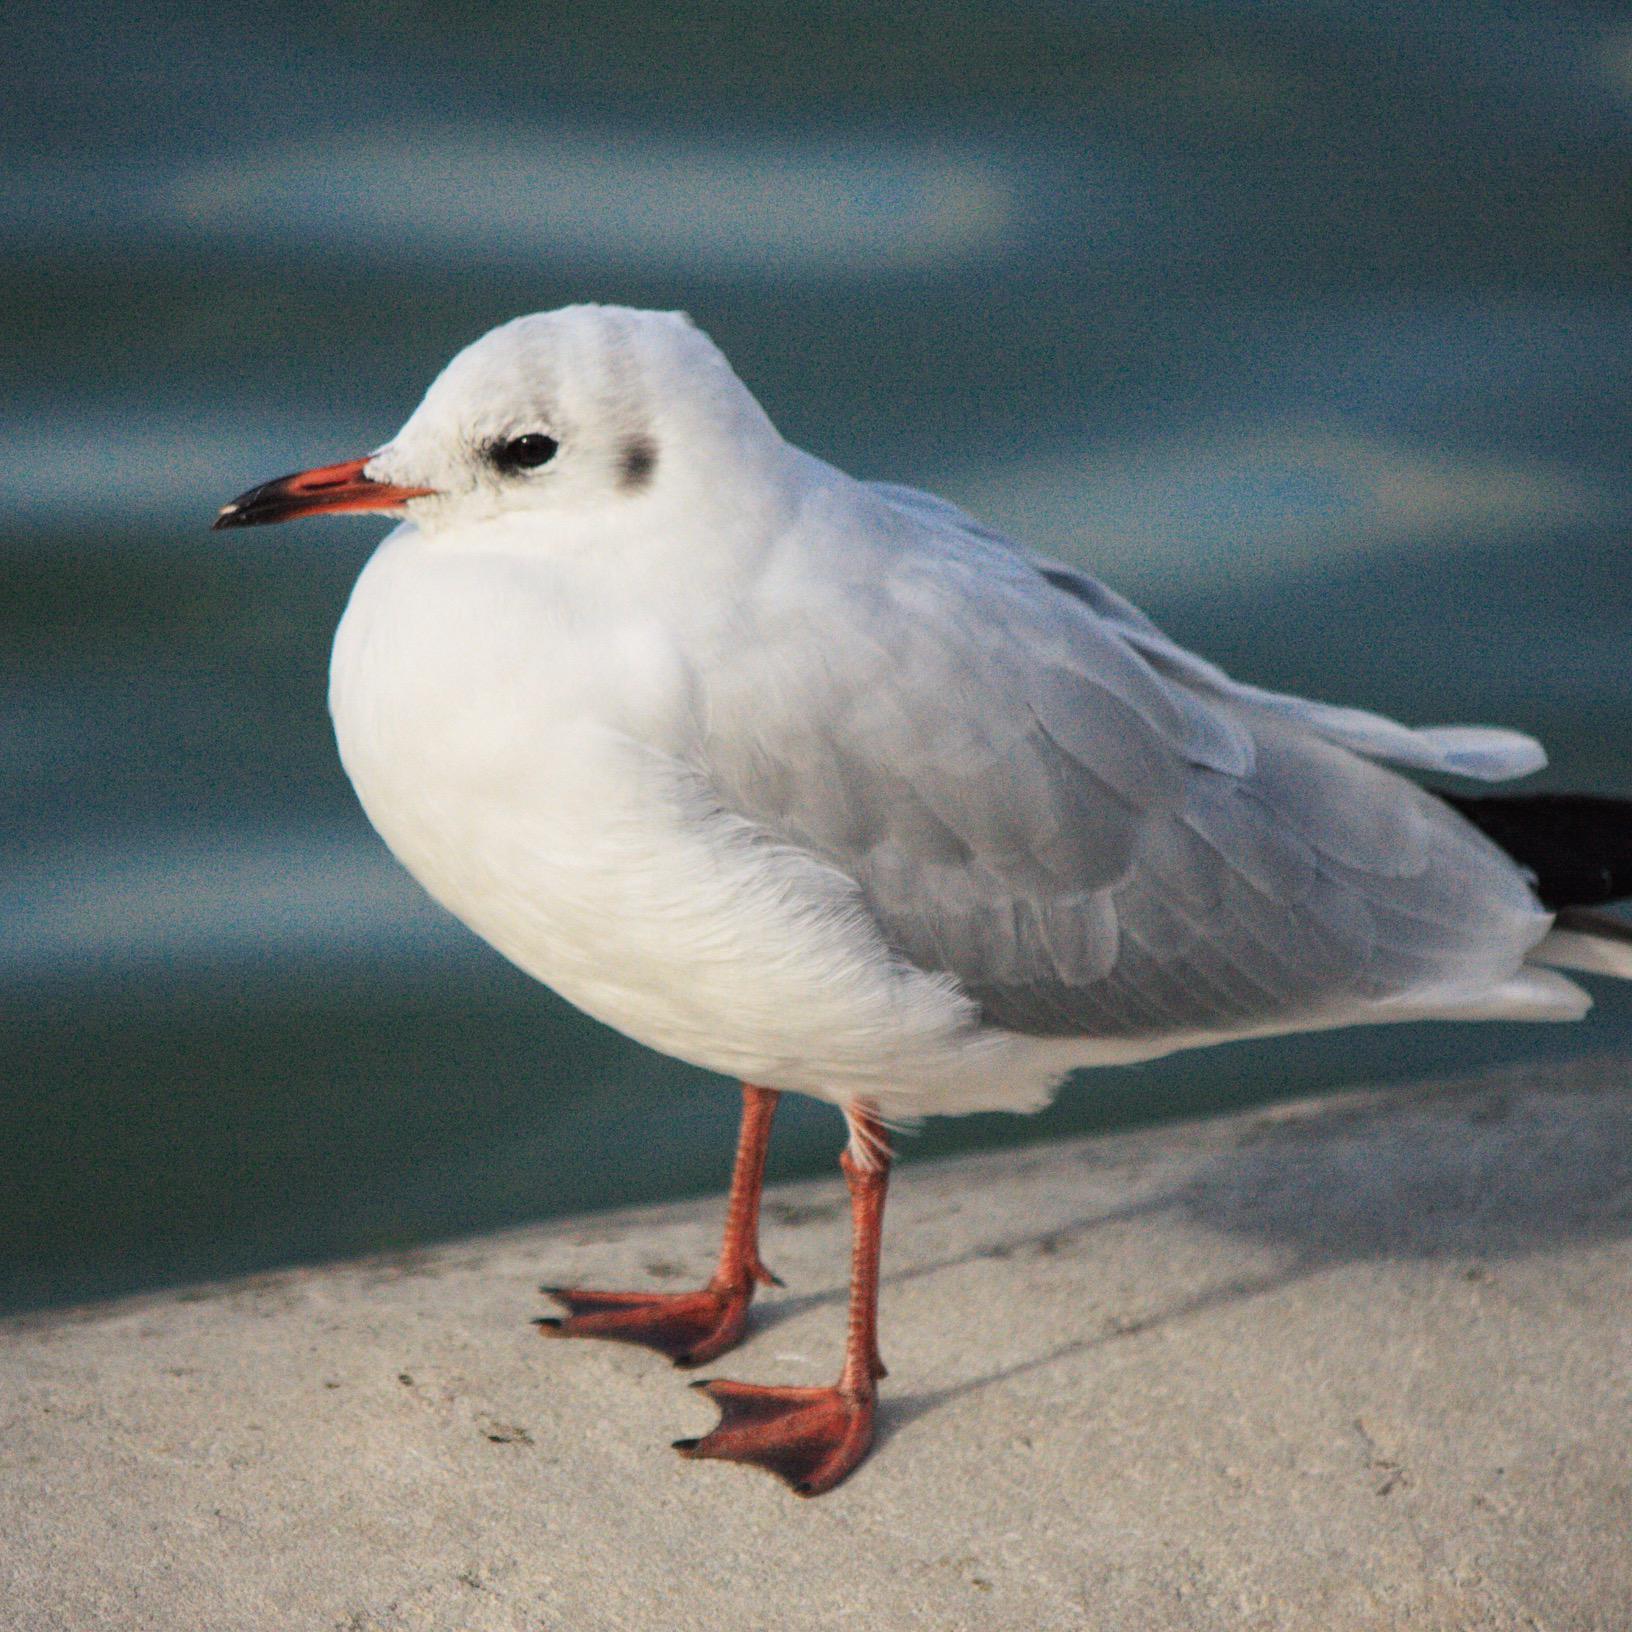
(1475, 1172)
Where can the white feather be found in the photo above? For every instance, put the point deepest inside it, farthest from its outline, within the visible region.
(1590, 954)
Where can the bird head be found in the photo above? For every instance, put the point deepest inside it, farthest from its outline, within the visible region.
(558, 413)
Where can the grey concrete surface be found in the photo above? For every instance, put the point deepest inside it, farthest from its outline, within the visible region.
(1357, 1363)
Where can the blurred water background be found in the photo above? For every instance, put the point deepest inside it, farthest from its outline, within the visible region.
(1307, 325)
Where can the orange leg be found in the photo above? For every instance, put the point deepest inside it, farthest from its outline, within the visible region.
(813, 1437)
(690, 1327)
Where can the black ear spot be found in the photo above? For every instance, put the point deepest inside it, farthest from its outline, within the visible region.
(636, 463)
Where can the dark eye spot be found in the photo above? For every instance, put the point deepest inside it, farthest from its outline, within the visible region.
(637, 462)
(524, 452)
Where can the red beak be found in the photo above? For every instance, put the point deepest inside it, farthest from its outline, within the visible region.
(313, 492)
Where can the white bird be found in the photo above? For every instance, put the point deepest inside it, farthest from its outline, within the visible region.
(822, 784)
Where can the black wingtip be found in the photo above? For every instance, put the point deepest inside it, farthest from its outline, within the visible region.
(1577, 846)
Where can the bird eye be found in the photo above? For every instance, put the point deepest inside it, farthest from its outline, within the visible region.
(525, 452)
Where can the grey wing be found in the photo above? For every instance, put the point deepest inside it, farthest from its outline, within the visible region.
(1091, 846)
(1487, 753)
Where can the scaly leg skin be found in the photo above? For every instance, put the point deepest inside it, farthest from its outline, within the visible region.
(690, 1327)
(813, 1437)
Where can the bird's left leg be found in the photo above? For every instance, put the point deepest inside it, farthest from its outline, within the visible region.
(690, 1327)
(813, 1437)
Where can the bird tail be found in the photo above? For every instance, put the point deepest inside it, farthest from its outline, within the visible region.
(1577, 849)
(1592, 942)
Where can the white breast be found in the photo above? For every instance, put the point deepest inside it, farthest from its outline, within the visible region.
(525, 760)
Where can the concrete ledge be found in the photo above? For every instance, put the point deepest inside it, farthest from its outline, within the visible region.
(1360, 1363)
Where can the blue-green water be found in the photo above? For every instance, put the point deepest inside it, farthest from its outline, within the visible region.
(1307, 325)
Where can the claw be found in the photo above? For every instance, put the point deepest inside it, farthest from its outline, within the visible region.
(810, 1438)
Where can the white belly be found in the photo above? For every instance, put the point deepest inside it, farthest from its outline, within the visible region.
(532, 778)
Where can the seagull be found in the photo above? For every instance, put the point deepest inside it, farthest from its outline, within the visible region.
(823, 785)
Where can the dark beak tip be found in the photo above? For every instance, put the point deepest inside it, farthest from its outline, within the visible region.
(252, 508)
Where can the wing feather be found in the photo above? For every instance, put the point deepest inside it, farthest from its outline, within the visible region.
(1095, 832)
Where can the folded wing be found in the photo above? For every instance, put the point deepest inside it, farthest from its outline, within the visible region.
(1098, 833)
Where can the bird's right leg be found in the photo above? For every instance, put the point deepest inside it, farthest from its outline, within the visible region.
(690, 1327)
